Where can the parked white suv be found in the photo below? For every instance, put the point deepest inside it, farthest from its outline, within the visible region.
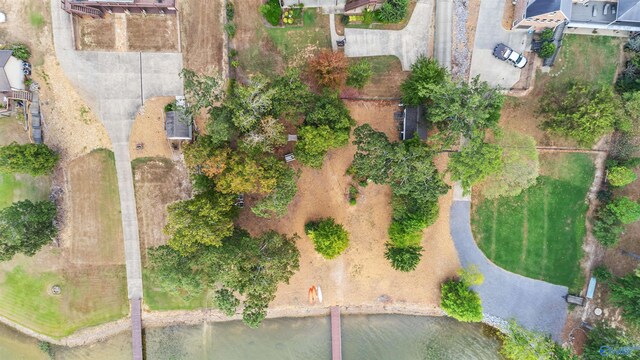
(505, 53)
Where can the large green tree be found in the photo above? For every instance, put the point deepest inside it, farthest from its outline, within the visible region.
(604, 342)
(582, 112)
(519, 343)
(327, 126)
(620, 176)
(25, 227)
(474, 163)
(625, 209)
(425, 77)
(276, 203)
(520, 167)
(173, 272)
(33, 159)
(204, 220)
(330, 239)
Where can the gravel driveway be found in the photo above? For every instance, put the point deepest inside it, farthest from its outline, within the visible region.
(406, 44)
(534, 304)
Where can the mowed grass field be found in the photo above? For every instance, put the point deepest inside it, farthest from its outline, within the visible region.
(539, 233)
(89, 265)
(16, 187)
(592, 59)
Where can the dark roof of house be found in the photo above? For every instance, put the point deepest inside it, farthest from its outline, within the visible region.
(5, 55)
(413, 123)
(178, 125)
(629, 10)
(354, 4)
(540, 7)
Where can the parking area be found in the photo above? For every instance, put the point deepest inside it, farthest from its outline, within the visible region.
(488, 34)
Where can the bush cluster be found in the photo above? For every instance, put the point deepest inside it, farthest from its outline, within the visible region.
(272, 12)
(330, 239)
(460, 302)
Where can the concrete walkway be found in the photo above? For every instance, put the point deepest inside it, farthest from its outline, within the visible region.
(534, 304)
(489, 33)
(443, 41)
(115, 85)
(406, 44)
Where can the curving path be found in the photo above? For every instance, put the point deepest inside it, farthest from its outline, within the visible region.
(406, 44)
(534, 304)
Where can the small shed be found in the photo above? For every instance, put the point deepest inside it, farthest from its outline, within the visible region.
(178, 125)
(413, 123)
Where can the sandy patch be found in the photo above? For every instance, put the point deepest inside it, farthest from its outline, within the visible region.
(148, 129)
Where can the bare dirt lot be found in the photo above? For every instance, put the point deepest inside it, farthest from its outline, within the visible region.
(385, 81)
(121, 32)
(202, 34)
(361, 276)
(158, 183)
(148, 129)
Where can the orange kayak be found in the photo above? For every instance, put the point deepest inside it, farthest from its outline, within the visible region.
(313, 294)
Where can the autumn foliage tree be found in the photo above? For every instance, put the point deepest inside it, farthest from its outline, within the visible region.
(329, 68)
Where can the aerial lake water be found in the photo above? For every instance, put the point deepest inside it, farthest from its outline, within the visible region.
(396, 337)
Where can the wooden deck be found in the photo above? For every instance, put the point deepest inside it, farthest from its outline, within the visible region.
(136, 329)
(336, 334)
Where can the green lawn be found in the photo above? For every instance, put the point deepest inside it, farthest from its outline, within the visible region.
(587, 58)
(26, 299)
(294, 40)
(539, 233)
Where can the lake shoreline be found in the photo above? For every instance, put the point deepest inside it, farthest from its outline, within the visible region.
(155, 319)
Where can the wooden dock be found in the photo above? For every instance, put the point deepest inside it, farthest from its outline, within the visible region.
(336, 334)
(136, 329)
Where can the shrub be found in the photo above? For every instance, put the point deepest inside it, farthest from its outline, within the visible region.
(546, 35)
(634, 43)
(46, 348)
(21, 51)
(625, 209)
(471, 275)
(460, 302)
(230, 10)
(403, 258)
(353, 195)
(272, 11)
(547, 50)
(620, 176)
(330, 239)
(329, 68)
(392, 11)
(344, 19)
(602, 274)
(368, 17)
(359, 74)
(625, 293)
(33, 159)
(606, 227)
(230, 29)
(226, 302)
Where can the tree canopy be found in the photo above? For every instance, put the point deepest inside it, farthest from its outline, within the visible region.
(206, 219)
(330, 239)
(520, 167)
(620, 176)
(581, 112)
(33, 159)
(329, 68)
(25, 227)
(460, 302)
(425, 77)
(251, 267)
(625, 293)
(519, 343)
(475, 162)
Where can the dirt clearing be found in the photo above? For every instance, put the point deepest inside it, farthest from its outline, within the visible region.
(133, 32)
(158, 183)
(361, 276)
(202, 34)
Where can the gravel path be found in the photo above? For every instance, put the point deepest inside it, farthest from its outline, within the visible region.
(534, 304)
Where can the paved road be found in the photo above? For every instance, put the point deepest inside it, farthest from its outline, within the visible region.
(442, 42)
(489, 32)
(406, 44)
(115, 86)
(534, 304)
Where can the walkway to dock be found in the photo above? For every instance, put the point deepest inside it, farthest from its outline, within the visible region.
(136, 328)
(336, 334)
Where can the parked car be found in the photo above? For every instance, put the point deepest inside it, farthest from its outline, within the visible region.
(505, 53)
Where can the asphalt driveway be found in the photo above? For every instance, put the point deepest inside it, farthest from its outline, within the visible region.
(534, 304)
(490, 32)
(406, 44)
